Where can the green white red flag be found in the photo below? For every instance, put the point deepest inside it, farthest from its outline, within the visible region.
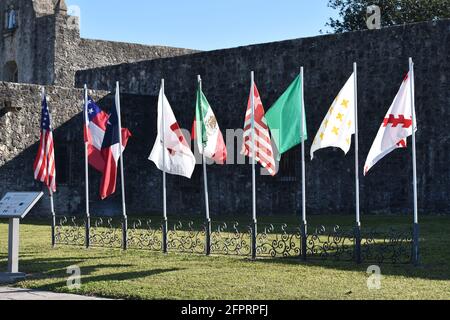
(207, 132)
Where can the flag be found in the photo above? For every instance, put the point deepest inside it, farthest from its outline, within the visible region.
(111, 152)
(396, 127)
(95, 122)
(284, 118)
(44, 165)
(101, 133)
(171, 152)
(263, 144)
(339, 124)
(207, 132)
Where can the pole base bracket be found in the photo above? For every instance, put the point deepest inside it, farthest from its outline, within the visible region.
(9, 278)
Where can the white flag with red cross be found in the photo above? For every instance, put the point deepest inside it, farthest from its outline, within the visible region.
(396, 127)
(171, 152)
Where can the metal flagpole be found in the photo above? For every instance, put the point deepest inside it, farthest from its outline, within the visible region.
(205, 180)
(86, 170)
(164, 227)
(52, 206)
(358, 215)
(50, 192)
(255, 221)
(416, 256)
(304, 220)
(122, 177)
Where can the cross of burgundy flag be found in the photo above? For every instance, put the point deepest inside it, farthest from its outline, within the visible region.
(171, 152)
(44, 165)
(101, 132)
(396, 127)
(263, 144)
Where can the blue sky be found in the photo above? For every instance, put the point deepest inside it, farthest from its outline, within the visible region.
(201, 24)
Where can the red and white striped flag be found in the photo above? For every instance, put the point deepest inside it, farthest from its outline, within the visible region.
(263, 151)
(44, 165)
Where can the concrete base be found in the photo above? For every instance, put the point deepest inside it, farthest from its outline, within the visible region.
(7, 293)
(8, 278)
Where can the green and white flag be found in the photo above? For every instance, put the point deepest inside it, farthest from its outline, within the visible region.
(207, 132)
(284, 118)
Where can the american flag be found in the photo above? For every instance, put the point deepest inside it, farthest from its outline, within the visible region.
(44, 165)
(263, 150)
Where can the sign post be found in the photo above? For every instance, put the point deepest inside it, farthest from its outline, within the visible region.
(15, 206)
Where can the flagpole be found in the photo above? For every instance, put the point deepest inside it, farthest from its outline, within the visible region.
(122, 176)
(255, 221)
(86, 170)
(357, 204)
(50, 192)
(205, 180)
(416, 256)
(52, 207)
(304, 220)
(164, 227)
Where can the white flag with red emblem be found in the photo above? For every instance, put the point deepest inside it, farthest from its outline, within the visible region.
(396, 127)
(171, 152)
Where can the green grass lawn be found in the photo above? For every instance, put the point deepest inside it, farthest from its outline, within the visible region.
(150, 275)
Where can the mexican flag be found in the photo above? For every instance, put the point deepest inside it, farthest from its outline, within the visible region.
(285, 116)
(207, 132)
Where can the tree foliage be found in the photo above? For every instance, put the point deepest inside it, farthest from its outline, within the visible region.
(353, 13)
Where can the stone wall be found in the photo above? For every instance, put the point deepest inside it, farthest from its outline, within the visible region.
(74, 53)
(383, 61)
(19, 140)
(16, 45)
(48, 49)
(20, 112)
(382, 57)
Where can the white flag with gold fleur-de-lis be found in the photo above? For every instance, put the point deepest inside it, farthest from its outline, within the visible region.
(339, 124)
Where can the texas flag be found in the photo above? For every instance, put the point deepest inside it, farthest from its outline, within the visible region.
(101, 133)
(396, 127)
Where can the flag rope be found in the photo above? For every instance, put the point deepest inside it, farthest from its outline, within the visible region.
(414, 160)
(86, 169)
(357, 196)
(122, 176)
(205, 183)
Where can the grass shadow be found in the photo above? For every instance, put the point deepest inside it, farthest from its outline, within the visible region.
(429, 269)
(61, 286)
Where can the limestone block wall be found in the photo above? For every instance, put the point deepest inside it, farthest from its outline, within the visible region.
(382, 56)
(20, 114)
